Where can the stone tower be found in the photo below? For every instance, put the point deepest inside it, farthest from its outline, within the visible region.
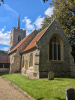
(16, 35)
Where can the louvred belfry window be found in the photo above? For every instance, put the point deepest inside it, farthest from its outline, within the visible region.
(19, 39)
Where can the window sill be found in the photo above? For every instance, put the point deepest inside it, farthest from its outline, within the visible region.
(31, 67)
(56, 61)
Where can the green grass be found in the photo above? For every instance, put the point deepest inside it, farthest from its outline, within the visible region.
(42, 89)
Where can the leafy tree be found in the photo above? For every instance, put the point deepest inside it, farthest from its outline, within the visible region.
(1, 1)
(71, 38)
(44, 0)
(65, 11)
(3, 52)
(47, 20)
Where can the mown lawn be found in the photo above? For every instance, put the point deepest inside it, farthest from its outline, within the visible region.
(42, 89)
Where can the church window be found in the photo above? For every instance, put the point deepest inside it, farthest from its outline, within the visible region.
(19, 39)
(54, 49)
(22, 61)
(31, 59)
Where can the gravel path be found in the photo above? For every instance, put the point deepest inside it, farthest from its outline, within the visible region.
(9, 91)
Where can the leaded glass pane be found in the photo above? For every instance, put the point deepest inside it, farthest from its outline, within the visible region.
(55, 52)
(55, 39)
(50, 51)
(59, 52)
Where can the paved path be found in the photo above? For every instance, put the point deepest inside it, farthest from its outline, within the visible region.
(9, 91)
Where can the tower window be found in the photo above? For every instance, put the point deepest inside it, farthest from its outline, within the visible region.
(19, 39)
(54, 49)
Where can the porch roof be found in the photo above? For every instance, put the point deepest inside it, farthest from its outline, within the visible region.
(4, 58)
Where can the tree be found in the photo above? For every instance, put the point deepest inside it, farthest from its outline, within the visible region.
(47, 20)
(3, 52)
(71, 38)
(44, 0)
(1, 1)
(65, 11)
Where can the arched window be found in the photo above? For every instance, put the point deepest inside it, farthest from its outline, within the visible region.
(22, 61)
(31, 59)
(19, 39)
(54, 49)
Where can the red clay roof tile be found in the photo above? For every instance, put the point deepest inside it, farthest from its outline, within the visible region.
(32, 43)
(4, 58)
(19, 44)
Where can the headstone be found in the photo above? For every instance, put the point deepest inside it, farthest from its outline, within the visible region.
(51, 75)
(70, 95)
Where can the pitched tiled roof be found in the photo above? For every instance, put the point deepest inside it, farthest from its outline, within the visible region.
(4, 58)
(20, 43)
(32, 43)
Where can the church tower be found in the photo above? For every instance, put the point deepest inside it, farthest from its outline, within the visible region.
(16, 35)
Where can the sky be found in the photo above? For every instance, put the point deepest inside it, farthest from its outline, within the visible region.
(32, 13)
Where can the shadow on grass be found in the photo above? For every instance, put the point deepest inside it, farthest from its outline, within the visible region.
(3, 73)
(58, 98)
(40, 98)
(59, 78)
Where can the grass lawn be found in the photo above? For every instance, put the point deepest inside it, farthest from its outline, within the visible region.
(42, 89)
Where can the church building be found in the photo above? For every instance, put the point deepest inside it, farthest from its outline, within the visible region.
(37, 54)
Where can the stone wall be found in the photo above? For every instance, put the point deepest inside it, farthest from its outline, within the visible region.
(15, 60)
(72, 65)
(60, 68)
(32, 71)
(15, 57)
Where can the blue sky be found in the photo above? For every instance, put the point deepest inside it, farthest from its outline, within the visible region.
(32, 13)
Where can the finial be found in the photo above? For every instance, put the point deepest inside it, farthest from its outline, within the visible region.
(18, 23)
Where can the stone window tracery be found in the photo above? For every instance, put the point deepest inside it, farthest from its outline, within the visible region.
(54, 49)
(22, 61)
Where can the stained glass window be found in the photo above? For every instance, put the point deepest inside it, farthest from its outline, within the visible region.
(54, 49)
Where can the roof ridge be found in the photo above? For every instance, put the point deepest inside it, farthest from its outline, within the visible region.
(27, 37)
(47, 28)
(42, 34)
(32, 43)
(22, 42)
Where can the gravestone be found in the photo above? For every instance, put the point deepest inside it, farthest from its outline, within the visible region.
(70, 95)
(51, 75)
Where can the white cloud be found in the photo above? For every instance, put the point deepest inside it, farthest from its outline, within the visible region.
(38, 22)
(4, 36)
(28, 24)
(41, 1)
(3, 29)
(7, 7)
(5, 49)
(49, 11)
(31, 26)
